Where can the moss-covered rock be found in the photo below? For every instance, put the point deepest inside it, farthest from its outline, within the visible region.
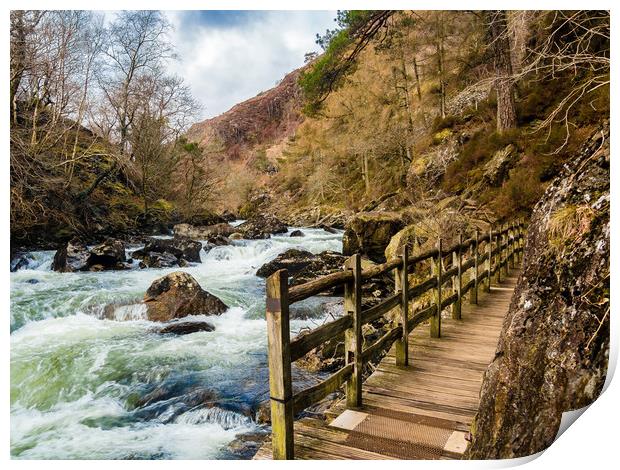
(369, 233)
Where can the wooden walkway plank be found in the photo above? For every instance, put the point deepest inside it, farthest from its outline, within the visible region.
(419, 411)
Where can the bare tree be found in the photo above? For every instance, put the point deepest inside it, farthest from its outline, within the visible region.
(569, 43)
(137, 46)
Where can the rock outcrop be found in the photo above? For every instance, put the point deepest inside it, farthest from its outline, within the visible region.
(369, 233)
(496, 169)
(553, 351)
(178, 295)
(265, 118)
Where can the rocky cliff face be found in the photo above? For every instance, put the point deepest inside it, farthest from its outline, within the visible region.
(553, 353)
(264, 119)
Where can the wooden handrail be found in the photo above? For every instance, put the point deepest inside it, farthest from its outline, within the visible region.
(324, 283)
(458, 265)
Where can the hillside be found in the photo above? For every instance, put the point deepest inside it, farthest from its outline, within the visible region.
(399, 133)
(265, 119)
(71, 184)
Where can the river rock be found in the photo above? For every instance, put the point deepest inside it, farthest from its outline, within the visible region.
(327, 228)
(261, 227)
(206, 219)
(178, 295)
(71, 257)
(153, 259)
(245, 446)
(228, 216)
(369, 233)
(329, 356)
(166, 253)
(75, 256)
(179, 246)
(297, 233)
(235, 236)
(216, 240)
(553, 351)
(293, 259)
(302, 265)
(108, 255)
(20, 261)
(203, 232)
(185, 327)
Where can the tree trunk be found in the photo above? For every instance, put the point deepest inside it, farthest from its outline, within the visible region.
(500, 43)
(417, 79)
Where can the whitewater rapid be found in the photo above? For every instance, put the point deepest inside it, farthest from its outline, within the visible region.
(87, 387)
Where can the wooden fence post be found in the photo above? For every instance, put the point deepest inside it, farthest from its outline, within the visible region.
(487, 284)
(520, 241)
(473, 296)
(513, 238)
(279, 356)
(457, 282)
(353, 336)
(402, 284)
(498, 256)
(507, 249)
(436, 319)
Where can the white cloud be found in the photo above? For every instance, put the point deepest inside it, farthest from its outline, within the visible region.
(225, 62)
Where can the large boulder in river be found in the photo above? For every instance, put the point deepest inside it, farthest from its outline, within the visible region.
(178, 295)
(203, 232)
(369, 233)
(261, 226)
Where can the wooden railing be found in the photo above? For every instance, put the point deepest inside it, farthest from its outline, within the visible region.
(475, 261)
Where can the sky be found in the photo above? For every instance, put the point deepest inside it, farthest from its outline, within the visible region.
(229, 56)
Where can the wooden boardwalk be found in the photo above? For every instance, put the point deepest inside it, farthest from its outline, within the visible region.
(422, 411)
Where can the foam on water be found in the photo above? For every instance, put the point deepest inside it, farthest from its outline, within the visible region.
(83, 386)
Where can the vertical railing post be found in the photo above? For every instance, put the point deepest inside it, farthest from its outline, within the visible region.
(353, 336)
(473, 296)
(402, 285)
(457, 282)
(521, 240)
(513, 238)
(436, 319)
(279, 357)
(507, 249)
(488, 262)
(498, 256)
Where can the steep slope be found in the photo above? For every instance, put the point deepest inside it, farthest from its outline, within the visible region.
(554, 347)
(265, 119)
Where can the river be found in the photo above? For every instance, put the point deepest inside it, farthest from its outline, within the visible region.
(85, 387)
